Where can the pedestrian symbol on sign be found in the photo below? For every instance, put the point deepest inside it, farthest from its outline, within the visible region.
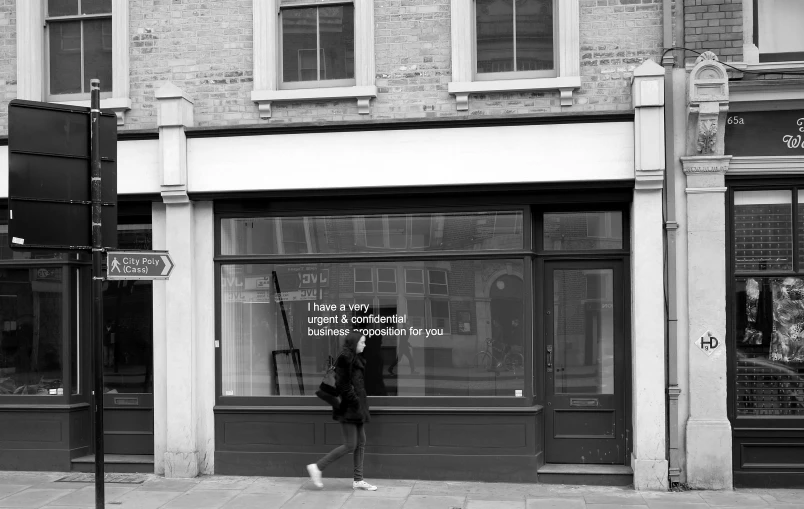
(115, 265)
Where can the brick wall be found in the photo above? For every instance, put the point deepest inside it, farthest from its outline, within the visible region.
(714, 25)
(8, 59)
(205, 48)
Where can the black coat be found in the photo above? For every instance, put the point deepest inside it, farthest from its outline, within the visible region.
(350, 376)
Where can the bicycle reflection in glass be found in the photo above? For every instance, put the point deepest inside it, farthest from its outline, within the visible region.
(500, 358)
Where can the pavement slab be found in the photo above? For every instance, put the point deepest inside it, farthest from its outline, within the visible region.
(195, 499)
(86, 495)
(433, 502)
(733, 499)
(139, 499)
(621, 499)
(316, 500)
(555, 503)
(33, 498)
(495, 504)
(10, 489)
(258, 501)
(384, 492)
(373, 503)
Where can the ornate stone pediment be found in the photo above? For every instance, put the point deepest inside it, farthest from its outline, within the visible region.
(708, 100)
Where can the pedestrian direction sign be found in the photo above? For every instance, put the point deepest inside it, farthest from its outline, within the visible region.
(138, 265)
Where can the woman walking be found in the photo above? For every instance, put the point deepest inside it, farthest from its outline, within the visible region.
(352, 413)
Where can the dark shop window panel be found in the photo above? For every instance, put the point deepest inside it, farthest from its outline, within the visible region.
(31, 343)
(373, 233)
(128, 327)
(763, 230)
(801, 230)
(770, 346)
(583, 231)
(282, 325)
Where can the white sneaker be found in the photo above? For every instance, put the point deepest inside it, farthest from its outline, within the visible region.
(315, 475)
(363, 485)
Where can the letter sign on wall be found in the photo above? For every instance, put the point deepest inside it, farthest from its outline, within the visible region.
(765, 133)
(707, 343)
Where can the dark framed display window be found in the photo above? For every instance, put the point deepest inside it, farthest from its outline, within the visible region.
(428, 289)
(768, 302)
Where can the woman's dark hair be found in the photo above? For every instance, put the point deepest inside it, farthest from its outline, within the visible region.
(351, 340)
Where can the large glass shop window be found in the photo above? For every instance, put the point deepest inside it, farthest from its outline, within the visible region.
(32, 324)
(769, 309)
(450, 327)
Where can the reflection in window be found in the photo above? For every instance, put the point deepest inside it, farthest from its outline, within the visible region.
(128, 327)
(466, 231)
(778, 34)
(31, 344)
(770, 346)
(79, 49)
(273, 349)
(583, 329)
(515, 36)
(318, 43)
(763, 230)
(581, 231)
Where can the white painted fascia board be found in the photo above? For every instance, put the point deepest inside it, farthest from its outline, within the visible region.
(474, 87)
(762, 90)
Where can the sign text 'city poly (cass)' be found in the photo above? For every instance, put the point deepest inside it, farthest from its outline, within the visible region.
(138, 265)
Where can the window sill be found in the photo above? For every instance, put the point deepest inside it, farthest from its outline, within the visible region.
(363, 94)
(119, 105)
(565, 85)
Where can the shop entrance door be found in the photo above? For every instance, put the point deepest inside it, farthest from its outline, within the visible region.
(128, 400)
(584, 363)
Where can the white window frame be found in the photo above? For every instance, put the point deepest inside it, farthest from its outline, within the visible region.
(394, 281)
(266, 59)
(551, 73)
(290, 85)
(751, 51)
(423, 283)
(355, 281)
(32, 62)
(568, 64)
(445, 285)
(448, 326)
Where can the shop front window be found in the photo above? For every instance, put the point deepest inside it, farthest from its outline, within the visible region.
(377, 233)
(282, 324)
(32, 318)
(768, 302)
(583, 231)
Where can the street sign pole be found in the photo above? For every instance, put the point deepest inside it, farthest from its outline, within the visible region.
(97, 287)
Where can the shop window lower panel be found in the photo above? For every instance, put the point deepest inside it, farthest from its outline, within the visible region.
(468, 444)
(768, 458)
(39, 439)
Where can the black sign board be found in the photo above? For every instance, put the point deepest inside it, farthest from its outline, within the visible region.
(49, 204)
(765, 133)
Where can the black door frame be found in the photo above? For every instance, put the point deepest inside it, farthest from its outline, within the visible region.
(615, 401)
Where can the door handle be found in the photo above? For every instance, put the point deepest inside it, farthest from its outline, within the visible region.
(549, 357)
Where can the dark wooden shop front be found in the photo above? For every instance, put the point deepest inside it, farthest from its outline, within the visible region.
(508, 351)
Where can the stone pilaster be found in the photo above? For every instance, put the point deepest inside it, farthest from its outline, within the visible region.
(708, 447)
(649, 459)
(184, 388)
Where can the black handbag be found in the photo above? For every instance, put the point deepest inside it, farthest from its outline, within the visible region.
(327, 389)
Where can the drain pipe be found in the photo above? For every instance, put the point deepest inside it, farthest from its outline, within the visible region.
(669, 61)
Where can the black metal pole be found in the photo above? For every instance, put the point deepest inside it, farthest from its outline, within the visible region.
(97, 287)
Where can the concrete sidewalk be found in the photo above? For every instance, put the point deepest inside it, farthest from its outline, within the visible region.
(41, 490)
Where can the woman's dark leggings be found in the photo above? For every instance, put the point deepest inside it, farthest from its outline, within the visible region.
(354, 441)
